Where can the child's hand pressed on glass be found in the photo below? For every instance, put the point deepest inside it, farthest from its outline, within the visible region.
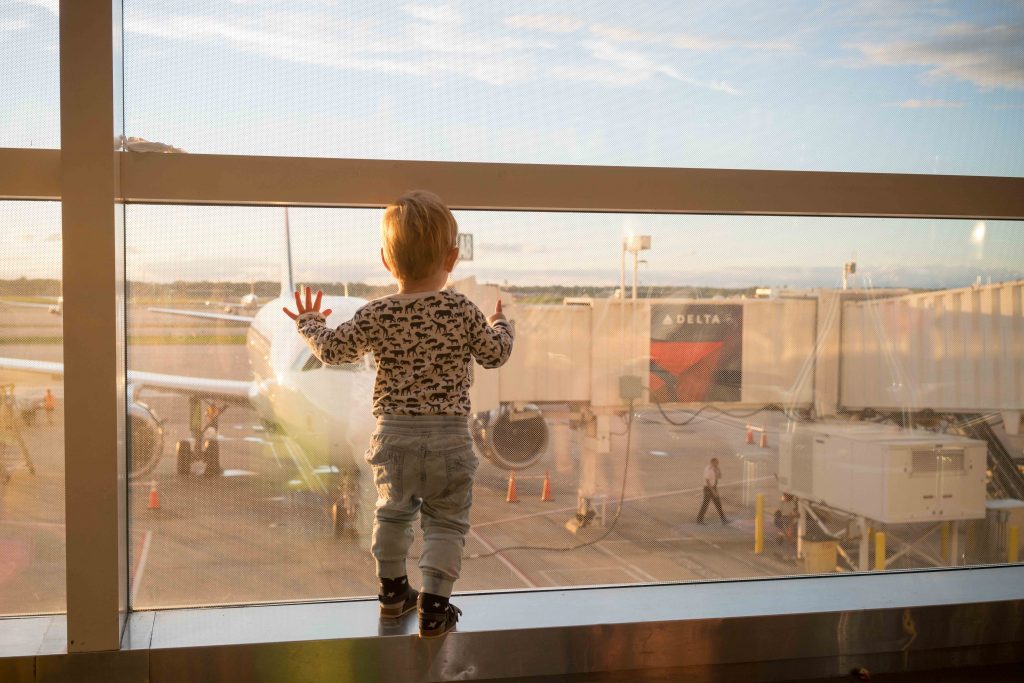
(497, 315)
(314, 306)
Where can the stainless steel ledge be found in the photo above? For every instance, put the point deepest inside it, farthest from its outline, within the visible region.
(780, 629)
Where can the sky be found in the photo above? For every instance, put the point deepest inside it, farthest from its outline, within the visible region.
(931, 86)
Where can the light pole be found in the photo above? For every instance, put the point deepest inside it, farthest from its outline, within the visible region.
(634, 244)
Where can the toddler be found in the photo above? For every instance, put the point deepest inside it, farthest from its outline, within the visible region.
(424, 340)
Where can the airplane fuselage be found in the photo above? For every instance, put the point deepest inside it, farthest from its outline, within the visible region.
(326, 410)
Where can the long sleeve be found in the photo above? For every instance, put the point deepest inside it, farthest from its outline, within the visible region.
(347, 343)
(491, 345)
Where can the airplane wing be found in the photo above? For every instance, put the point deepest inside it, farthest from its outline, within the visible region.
(205, 314)
(234, 391)
(25, 304)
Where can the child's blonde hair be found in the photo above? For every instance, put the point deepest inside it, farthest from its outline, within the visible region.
(419, 231)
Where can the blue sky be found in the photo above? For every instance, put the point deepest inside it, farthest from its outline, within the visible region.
(889, 86)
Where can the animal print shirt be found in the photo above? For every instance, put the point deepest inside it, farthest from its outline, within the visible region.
(423, 344)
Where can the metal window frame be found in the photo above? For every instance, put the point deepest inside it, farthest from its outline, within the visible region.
(93, 184)
(94, 356)
(214, 179)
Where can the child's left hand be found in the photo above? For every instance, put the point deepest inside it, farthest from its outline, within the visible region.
(311, 306)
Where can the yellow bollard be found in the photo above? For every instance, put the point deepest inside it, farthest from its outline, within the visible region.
(759, 525)
(945, 543)
(879, 551)
(1013, 545)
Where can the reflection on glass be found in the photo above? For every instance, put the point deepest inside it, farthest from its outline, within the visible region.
(858, 428)
(738, 84)
(31, 410)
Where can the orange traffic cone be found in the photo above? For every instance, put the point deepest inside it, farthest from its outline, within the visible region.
(512, 497)
(750, 435)
(154, 496)
(764, 438)
(545, 493)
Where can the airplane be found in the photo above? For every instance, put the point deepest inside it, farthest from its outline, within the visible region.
(56, 308)
(319, 416)
(249, 302)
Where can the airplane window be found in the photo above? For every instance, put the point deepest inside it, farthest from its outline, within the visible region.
(346, 367)
(314, 363)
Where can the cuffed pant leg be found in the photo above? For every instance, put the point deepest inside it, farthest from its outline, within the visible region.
(445, 525)
(392, 537)
(441, 561)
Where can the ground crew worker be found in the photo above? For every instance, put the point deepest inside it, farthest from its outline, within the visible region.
(50, 405)
(711, 476)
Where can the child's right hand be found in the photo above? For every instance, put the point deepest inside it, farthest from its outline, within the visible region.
(497, 315)
(313, 306)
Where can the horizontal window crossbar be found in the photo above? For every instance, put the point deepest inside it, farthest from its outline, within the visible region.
(262, 181)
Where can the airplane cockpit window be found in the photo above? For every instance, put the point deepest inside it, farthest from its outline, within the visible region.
(308, 362)
(312, 362)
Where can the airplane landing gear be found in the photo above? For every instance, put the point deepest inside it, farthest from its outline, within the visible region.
(189, 451)
(183, 456)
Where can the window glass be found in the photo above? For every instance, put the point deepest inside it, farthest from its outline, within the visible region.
(30, 75)
(903, 87)
(31, 410)
(877, 413)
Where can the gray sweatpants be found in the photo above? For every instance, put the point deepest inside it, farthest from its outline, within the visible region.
(422, 464)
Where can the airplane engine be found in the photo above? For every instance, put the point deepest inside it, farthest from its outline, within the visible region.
(511, 439)
(147, 439)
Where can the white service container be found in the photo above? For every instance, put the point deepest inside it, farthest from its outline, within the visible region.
(885, 474)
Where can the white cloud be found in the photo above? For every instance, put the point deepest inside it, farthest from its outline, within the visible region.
(12, 25)
(431, 43)
(988, 57)
(439, 14)
(929, 104)
(551, 23)
(52, 6)
(424, 49)
(684, 41)
(630, 68)
(444, 40)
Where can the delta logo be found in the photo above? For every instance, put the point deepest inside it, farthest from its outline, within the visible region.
(696, 319)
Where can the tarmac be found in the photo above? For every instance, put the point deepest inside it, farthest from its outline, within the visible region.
(245, 537)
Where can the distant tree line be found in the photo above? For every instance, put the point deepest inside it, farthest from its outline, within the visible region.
(556, 293)
(26, 286)
(267, 289)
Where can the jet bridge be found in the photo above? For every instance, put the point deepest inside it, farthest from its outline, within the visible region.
(821, 353)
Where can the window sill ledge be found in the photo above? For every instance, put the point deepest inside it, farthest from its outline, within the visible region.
(807, 625)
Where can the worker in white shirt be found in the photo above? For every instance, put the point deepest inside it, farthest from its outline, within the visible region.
(711, 476)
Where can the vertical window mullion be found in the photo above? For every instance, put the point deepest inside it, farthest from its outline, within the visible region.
(93, 343)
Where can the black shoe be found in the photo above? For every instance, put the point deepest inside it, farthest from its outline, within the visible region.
(726, 521)
(434, 624)
(393, 607)
(702, 522)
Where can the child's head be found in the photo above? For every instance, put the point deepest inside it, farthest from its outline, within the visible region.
(419, 236)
